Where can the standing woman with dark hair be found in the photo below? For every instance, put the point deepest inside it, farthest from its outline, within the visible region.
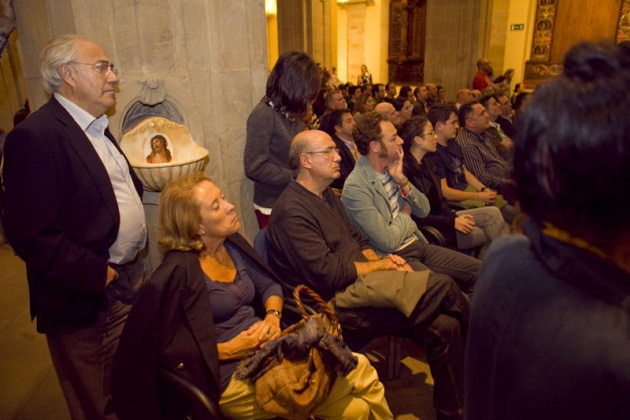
(291, 87)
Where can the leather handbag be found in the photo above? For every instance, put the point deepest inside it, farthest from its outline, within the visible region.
(295, 373)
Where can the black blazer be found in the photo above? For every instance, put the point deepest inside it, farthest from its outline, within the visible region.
(170, 327)
(346, 165)
(60, 216)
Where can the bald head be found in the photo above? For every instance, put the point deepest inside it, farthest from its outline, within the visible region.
(303, 142)
(387, 110)
(464, 95)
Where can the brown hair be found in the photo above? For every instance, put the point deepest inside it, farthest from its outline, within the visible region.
(179, 214)
(368, 129)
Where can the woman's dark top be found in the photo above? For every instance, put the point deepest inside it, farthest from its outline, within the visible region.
(233, 304)
(423, 177)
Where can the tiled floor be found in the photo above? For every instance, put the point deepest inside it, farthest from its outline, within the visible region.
(29, 387)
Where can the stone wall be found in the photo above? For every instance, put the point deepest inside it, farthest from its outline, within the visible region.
(207, 58)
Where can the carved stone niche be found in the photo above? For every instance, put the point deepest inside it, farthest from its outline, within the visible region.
(407, 27)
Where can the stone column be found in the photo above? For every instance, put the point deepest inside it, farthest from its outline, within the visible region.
(356, 40)
(456, 37)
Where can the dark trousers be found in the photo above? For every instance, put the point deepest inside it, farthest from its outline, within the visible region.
(439, 322)
(464, 269)
(83, 357)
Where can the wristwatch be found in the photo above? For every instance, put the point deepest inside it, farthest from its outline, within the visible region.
(274, 312)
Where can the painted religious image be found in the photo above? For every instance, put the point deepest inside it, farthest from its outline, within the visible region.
(159, 150)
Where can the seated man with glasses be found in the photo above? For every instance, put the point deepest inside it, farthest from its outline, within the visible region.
(312, 241)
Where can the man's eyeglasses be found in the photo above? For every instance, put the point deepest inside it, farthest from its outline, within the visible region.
(103, 67)
(328, 153)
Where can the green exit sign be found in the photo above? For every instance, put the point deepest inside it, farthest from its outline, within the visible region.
(517, 27)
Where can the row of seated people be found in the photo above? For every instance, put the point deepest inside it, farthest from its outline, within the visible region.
(363, 98)
(312, 241)
(212, 301)
(287, 108)
(374, 225)
(443, 176)
(365, 253)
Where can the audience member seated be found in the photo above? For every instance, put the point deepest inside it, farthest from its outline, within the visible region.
(291, 87)
(405, 110)
(502, 83)
(501, 141)
(311, 240)
(420, 95)
(333, 81)
(196, 316)
(550, 340)
(339, 125)
(364, 104)
(406, 93)
(505, 117)
(441, 91)
(334, 100)
(463, 96)
(355, 93)
(388, 112)
(432, 94)
(379, 201)
(390, 92)
(480, 154)
(465, 229)
(378, 92)
(520, 103)
(458, 184)
(518, 88)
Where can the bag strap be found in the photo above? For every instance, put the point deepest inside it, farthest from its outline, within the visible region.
(325, 308)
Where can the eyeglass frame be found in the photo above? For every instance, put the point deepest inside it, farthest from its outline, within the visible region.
(100, 64)
(330, 151)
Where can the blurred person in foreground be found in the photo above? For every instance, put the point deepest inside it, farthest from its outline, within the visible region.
(550, 328)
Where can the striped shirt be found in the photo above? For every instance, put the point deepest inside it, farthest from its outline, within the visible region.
(482, 158)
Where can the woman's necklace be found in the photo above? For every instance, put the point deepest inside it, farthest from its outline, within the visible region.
(224, 263)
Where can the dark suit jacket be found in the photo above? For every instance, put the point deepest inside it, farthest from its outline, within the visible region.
(170, 327)
(61, 216)
(346, 165)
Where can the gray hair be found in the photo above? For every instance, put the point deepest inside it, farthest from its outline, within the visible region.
(58, 51)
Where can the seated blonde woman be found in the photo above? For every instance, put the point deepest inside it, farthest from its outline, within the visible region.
(196, 316)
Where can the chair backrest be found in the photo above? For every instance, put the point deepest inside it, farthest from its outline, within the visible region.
(260, 244)
(202, 406)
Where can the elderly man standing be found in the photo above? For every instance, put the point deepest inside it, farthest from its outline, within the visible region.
(379, 201)
(74, 215)
(312, 241)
